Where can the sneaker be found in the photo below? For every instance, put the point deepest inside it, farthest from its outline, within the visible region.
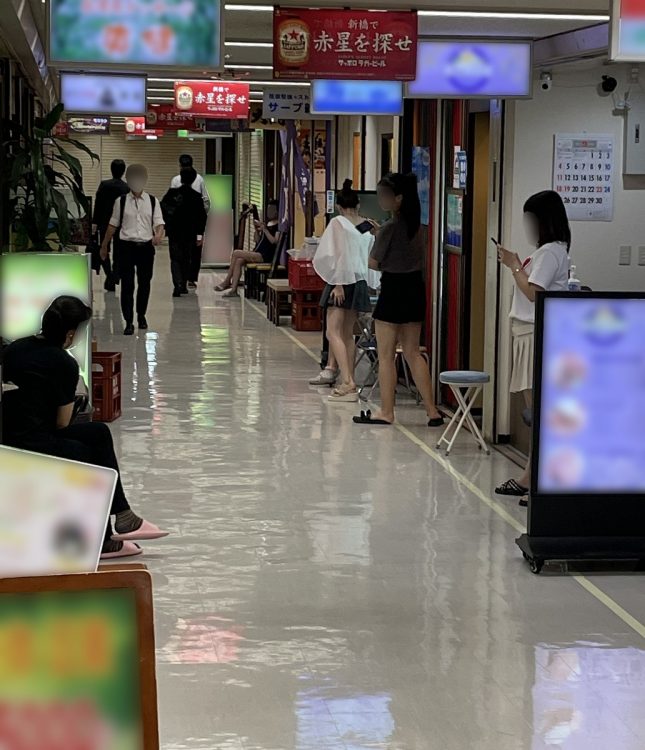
(344, 395)
(325, 377)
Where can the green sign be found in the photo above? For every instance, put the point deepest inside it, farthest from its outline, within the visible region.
(69, 670)
(182, 134)
(177, 33)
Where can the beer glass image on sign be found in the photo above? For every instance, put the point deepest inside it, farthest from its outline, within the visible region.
(593, 396)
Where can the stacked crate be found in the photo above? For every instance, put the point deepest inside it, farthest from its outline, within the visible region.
(106, 386)
(306, 287)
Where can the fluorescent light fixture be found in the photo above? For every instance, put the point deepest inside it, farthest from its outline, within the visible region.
(266, 45)
(268, 82)
(161, 98)
(151, 138)
(510, 15)
(237, 66)
(250, 8)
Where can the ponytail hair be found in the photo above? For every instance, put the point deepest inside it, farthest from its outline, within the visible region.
(63, 315)
(405, 185)
(347, 198)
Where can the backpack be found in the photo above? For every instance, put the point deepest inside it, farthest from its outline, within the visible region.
(171, 203)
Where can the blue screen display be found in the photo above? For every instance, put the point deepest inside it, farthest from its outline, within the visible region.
(357, 98)
(472, 69)
(592, 416)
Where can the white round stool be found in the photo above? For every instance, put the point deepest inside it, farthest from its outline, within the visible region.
(466, 386)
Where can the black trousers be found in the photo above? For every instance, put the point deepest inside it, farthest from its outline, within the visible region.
(195, 262)
(136, 257)
(106, 264)
(90, 443)
(180, 262)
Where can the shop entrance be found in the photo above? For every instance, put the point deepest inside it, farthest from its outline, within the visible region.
(465, 236)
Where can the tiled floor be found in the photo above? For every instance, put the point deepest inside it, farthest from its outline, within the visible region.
(332, 587)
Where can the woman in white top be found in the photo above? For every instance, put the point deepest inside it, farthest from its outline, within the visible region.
(547, 269)
(341, 260)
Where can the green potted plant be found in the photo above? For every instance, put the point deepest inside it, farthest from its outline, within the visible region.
(40, 169)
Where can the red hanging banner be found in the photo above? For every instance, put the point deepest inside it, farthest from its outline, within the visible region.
(353, 44)
(225, 99)
(167, 117)
(138, 126)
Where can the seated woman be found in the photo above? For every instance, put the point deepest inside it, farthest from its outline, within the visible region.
(37, 415)
(267, 238)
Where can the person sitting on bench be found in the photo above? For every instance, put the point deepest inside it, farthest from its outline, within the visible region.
(267, 238)
(37, 416)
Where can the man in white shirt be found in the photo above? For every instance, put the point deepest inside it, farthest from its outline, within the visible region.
(138, 219)
(199, 186)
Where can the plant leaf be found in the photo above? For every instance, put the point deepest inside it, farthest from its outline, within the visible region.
(47, 122)
(62, 214)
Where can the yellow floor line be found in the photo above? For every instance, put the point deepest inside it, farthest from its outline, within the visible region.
(500, 510)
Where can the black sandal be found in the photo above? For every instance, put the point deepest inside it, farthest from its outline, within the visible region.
(511, 488)
(436, 422)
(524, 502)
(366, 418)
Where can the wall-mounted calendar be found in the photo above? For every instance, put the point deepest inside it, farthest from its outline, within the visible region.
(583, 175)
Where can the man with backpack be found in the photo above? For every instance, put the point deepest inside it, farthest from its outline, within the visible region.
(185, 220)
(138, 219)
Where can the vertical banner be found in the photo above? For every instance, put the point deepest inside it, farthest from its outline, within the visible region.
(286, 141)
(583, 175)
(355, 44)
(421, 168)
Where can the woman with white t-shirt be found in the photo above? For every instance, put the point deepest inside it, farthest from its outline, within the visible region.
(545, 270)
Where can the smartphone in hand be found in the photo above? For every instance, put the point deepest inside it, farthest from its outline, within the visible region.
(364, 227)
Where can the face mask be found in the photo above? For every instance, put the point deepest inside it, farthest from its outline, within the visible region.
(136, 184)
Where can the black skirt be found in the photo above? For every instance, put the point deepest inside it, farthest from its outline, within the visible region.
(357, 297)
(402, 299)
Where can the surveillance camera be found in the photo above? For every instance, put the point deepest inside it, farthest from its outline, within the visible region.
(608, 84)
(546, 81)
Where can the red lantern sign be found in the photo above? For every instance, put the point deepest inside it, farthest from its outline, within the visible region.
(352, 44)
(224, 99)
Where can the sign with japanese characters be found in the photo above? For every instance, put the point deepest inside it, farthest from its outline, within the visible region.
(334, 43)
(138, 126)
(225, 99)
(167, 117)
(135, 33)
(89, 125)
(583, 175)
(287, 104)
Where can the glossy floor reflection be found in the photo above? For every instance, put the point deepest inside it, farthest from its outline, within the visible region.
(332, 587)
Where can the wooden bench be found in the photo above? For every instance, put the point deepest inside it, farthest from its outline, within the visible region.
(278, 294)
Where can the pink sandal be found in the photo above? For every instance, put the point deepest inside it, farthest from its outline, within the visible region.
(147, 530)
(128, 549)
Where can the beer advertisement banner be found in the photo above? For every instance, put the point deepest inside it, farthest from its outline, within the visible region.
(228, 100)
(354, 44)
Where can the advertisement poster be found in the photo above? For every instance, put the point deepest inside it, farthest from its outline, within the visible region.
(628, 30)
(29, 282)
(69, 666)
(213, 99)
(103, 93)
(421, 168)
(165, 116)
(89, 125)
(284, 104)
(354, 44)
(583, 175)
(177, 33)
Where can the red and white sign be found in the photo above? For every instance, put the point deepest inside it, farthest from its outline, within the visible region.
(353, 44)
(167, 117)
(225, 99)
(138, 126)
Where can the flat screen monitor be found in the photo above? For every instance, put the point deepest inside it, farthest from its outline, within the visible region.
(590, 396)
(103, 93)
(628, 31)
(473, 69)
(369, 206)
(356, 97)
(182, 34)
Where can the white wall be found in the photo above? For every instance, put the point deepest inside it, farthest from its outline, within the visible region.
(375, 128)
(574, 105)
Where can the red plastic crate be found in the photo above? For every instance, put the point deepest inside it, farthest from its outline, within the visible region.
(106, 364)
(306, 316)
(303, 276)
(106, 398)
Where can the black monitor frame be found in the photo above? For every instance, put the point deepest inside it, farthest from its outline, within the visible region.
(577, 514)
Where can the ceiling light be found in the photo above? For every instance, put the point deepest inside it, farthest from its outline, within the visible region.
(513, 15)
(267, 45)
(251, 8)
(237, 66)
(161, 98)
(268, 82)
